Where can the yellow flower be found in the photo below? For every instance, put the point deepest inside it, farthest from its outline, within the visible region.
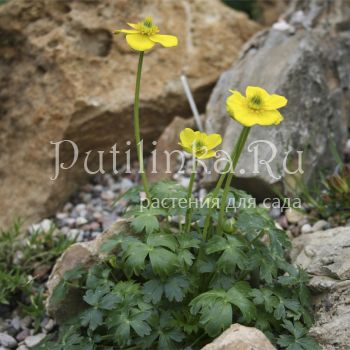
(199, 143)
(258, 107)
(144, 36)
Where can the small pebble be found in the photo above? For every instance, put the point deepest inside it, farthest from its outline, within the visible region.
(319, 225)
(275, 213)
(7, 341)
(184, 181)
(126, 184)
(306, 228)
(81, 221)
(49, 325)
(22, 347)
(26, 322)
(16, 323)
(34, 340)
(294, 216)
(108, 195)
(23, 335)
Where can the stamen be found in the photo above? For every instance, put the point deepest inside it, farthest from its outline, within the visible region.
(148, 22)
(255, 102)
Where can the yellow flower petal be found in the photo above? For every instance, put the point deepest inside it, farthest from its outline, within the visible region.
(134, 25)
(206, 155)
(126, 31)
(213, 140)
(270, 118)
(187, 137)
(139, 42)
(252, 91)
(275, 102)
(165, 40)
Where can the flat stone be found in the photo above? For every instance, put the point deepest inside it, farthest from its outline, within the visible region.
(34, 340)
(7, 341)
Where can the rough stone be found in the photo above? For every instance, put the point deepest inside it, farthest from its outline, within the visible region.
(7, 341)
(239, 337)
(158, 168)
(271, 10)
(325, 255)
(310, 66)
(294, 216)
(34, 340)
(63, 76)
(85, 254)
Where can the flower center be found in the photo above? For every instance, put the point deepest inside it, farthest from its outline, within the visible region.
(199, 147)
(146, 27)
(255, 102)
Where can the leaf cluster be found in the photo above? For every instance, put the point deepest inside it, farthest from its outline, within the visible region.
(164, 288)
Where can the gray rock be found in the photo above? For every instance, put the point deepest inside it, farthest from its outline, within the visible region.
(7, 341)
(26, 322)
(294, 216)
(22, 347)
(85, 254)
(319, 225)
(23, 335)
(34, 340)
(311, 68)
(239, 337)
(306, 228)
(326, 257)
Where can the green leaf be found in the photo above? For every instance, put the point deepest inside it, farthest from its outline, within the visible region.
(237, 295)
(135, 256)
(145, 219)
(232, 254)
(124, 321)
(93, 297)
(185, 257)
(249, 222)
(110, 244)
(298, 339)
(146, 222)
(264, 297)
(153, 291)
(176, 288)
(92, 318)
(163, 261)
(75, 274)
(162, 240)
(59, 293)
(215, 311)
(109, 301)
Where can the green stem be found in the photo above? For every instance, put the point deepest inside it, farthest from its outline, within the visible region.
(189, 196)
(236, 155)
(137, 126)
(218, 186)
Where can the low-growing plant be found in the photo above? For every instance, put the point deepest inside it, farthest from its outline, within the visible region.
(22, 256)
(161, 287)
(328, 197)
(181, 274)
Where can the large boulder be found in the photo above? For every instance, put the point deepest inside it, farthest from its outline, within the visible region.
(325, 255)
(239, 337)
(304, 57)
(64, 76)
(85, 255)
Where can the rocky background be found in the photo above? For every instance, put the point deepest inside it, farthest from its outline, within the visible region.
(64, 76)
